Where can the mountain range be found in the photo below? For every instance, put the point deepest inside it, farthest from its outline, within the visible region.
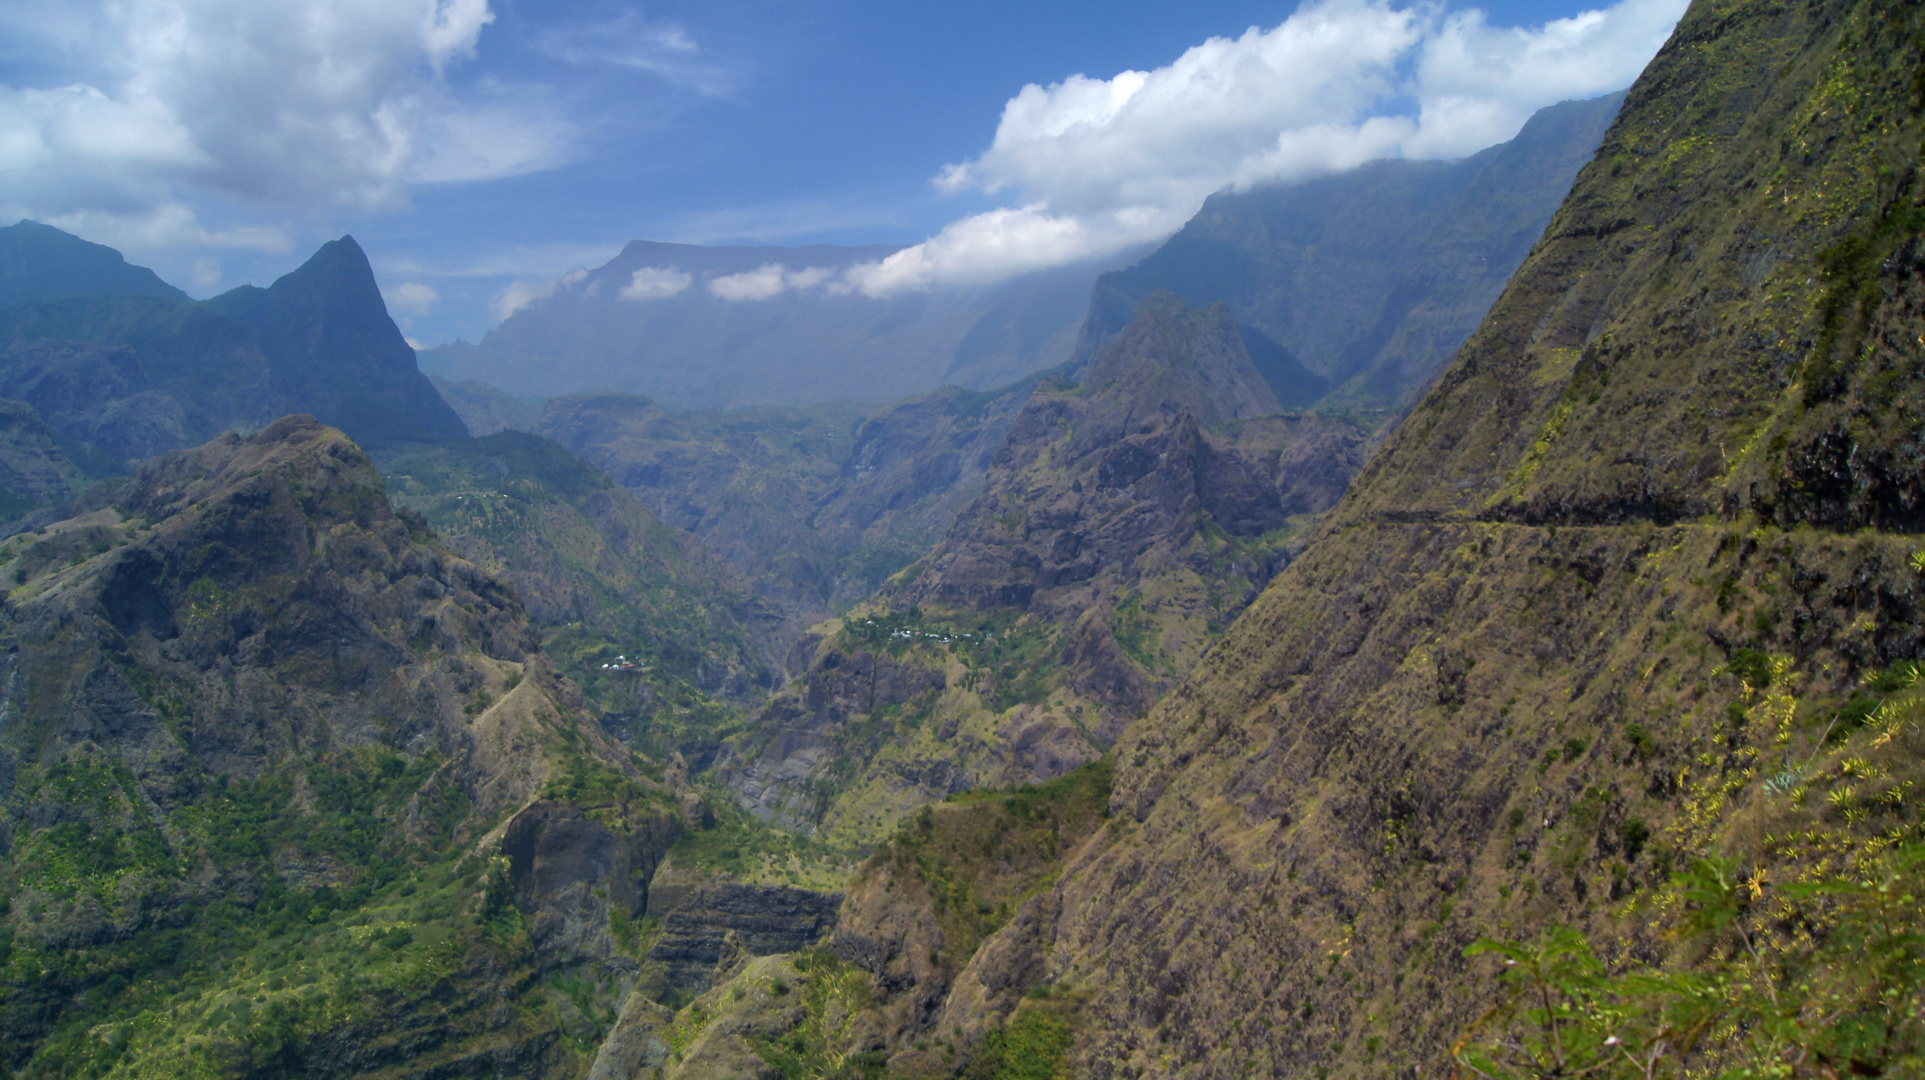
(121, 370)
(1355, 288)
(1127, 719)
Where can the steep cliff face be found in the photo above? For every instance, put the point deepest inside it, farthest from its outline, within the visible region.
(335, 353)
(34, 472)
(288, 786)
(1645, 537)
(1124, 523)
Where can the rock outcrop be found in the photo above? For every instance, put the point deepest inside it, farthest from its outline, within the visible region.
(259, 724)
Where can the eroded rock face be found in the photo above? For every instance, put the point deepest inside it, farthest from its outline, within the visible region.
(572, 874)
(33, 469)
(1527, 623)
(817, 507)
(708, 928)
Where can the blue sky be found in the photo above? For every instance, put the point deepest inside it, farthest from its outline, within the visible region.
(471, 145)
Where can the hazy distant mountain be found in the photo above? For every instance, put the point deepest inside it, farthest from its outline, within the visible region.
(39, 262)
(125, 377)
(1357, 287)
(658, 320)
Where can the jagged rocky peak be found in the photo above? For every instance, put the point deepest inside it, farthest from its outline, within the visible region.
(1173, 354)
(334, 349)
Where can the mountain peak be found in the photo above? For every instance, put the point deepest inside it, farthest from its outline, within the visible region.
(1182, 355)
(337, 273)
(335, 347)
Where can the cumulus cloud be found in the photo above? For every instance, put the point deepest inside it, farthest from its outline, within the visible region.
(288, 102)
(652, 283)
(767, 282)
(412, 297)
(1100, 164)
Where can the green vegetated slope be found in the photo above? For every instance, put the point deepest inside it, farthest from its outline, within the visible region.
(1355, 288)
(1126, 521)
(658, 632)
(1620, 595)
(35, 472)
(817, 506)
(290, 790)
(859, 1004)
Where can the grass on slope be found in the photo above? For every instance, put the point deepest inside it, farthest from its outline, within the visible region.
(1800, 950)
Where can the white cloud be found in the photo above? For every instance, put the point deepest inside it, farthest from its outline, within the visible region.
(290, 102)
(412, 297)
(520, 294)
(167, 226)
(767, 282)
(650, 283)
(1100, 164)
(206, 274)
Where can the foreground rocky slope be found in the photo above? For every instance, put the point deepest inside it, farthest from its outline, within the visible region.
(1624, 565)
(1126, 521)
(289, 788)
